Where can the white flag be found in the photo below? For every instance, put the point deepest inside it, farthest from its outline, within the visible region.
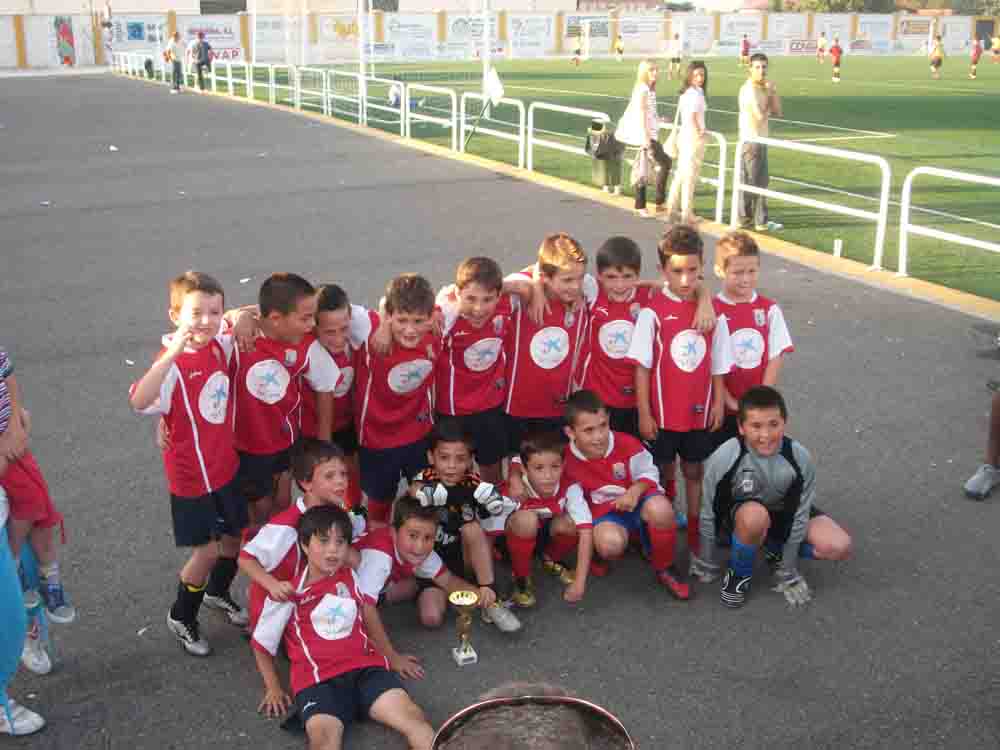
(494, 87)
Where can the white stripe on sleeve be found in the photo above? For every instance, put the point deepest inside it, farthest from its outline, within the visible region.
(779, 340)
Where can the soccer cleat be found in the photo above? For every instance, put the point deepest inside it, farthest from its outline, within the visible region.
(34, 657)
(32, 598)
(60, 611)
(505, 620)
(187, 633)
(558, 569)
(982, 482)
(734, 590)
(671, 580)
(18, 721)
(524, 592)
(225, 603)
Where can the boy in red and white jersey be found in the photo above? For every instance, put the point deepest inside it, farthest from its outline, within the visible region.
(757, 329)
(268, 391)
(679, 370)
(471, 371)
(334, 313)
(189, 386)
(622, 485)
(553, 512)
(338, 671)
(394, 392)
(836, 52)
(272, 559)
(543, 347)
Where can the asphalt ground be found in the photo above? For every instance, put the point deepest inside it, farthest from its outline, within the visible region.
(899, 648)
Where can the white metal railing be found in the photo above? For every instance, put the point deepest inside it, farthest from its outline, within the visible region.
(334, 76)
(274, 87)
(302, 92)
(720, 179)
(397, 110)
(906, 228)
(519, 139)
(447, 122)
(557, 145)
(881, 217)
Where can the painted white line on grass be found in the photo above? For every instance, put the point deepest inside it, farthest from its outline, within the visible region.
(842, 138)
(888, 84)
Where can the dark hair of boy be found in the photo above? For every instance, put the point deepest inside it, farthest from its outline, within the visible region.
(736, 243)
(408, 507)
(680, 239)
(321, 520)
(331, 298)
(449, 430)
(619, 252)
(582, 402)
(308, 453)
(483, 271)
(192, 281)
(758, 56)
(281, 293)
(762, 397)
(542, 442)
(409, 293)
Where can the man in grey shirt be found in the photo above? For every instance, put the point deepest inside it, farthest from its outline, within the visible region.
(759, 489)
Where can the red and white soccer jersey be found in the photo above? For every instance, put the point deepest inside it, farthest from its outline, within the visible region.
(268, 390)
(604, 369)
(682, 361)
(471, 371)
(323, 630)
(568, 499)
(343, 398)
(381, 564)
(393, 394)
(758, 334)
(195, 403)
(541, 360)
(604, 480)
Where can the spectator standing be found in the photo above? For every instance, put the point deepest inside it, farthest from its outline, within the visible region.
(758, 100)
(175, 56)
(202, 59)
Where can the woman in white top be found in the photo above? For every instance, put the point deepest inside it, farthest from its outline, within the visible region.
(641, 127)
(690, 143)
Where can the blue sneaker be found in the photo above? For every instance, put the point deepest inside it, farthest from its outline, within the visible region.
(60, 611)
(32, 600)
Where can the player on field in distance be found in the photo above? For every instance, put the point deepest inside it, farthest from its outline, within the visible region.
(936, 57)
(974, 55)
(821, 47)
(674, 54)
(836, 51)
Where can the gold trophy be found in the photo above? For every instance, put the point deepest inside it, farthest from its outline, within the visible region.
(464, 602)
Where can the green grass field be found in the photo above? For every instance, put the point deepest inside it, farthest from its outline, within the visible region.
(884, 106)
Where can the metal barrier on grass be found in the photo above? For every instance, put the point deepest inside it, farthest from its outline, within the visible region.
(906, 228)
(519, 139)
(352, 82)
(313, 96)
(558, 146)
(447, 122)
(720, 180)
(881, 217)
(275, 87)
(397, 110)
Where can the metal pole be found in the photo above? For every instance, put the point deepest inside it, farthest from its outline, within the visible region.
(362, 67)
(485, 54)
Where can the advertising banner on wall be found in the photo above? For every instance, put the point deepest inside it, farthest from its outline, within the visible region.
(800, 47)
(134, 33)
(874, 27)
(269, 39)
(697, 33)
(641, 33)
(338, 38)
(734, 25)
(956, 33)
(413, 36)
(222, 32)
(835, 25)
(62, 40)
(530, 35)
(781, 26)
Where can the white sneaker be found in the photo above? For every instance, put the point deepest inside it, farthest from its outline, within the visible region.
(236, 614)
(34, 656)
(505, 620)
(24, 721)
(982, 482)
(188, 635)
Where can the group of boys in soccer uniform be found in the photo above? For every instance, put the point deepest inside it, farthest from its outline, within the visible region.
(586, 388)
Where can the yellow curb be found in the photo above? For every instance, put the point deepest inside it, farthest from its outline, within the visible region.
(970, 304)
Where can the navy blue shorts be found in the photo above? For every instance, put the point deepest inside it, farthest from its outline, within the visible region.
(730, 429)
(693, 447)
(258, 473)
(200, 520)
(348, 697)
(631, 520)
(624, 420)
(381, 470)
(346, 439)
(488, 430)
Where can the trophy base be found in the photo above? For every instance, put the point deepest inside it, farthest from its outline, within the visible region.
(464, 656)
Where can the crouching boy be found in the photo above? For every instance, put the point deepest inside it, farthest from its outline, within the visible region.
(337, 675)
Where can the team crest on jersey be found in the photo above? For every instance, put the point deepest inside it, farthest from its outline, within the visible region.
(688, 350)
(549, 347)
(480, 356)
(615, 337)
(498, 324)
(759, 316)
(291, 357)
(634, 309)
(748, 348)
(345, 382)
(268, 381)
(214, 397)
(618, 471)
(406, 377)
(333, 618)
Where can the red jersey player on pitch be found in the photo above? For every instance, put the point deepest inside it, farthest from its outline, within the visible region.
(836, 52)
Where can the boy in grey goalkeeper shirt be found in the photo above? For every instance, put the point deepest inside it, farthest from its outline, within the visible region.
(759, 491)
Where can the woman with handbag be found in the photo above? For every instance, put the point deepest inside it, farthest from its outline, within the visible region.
(639, 127)
(689, 137)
